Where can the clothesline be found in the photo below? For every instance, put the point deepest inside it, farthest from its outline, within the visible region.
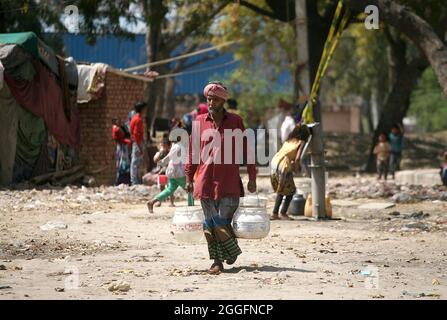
(196, 71)
(183, 56)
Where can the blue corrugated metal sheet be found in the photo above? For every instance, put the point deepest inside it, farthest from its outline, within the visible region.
(115, 51)
(124, 53)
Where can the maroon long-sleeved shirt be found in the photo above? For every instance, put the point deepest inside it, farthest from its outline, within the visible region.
(216, 180)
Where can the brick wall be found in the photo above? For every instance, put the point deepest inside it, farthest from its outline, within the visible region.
(97, 147)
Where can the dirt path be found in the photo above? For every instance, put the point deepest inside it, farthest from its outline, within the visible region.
(298, 260)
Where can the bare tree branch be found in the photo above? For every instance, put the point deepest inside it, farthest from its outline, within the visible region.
(185, 66)
(192, 24)
(416, 29)
(258, 9)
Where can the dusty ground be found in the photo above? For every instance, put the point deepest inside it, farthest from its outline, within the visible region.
(110, 241)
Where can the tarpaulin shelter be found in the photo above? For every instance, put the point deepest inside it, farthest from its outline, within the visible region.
(38, 94)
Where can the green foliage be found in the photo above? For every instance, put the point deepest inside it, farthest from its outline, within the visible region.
(35, 16)
(360, 64)
(428, 104)
(255, 94)
(266, 48)
(28, 15)
(100, 17)
(261, 39)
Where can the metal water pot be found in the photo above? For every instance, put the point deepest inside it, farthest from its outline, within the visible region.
(187, 224)
(297, 204)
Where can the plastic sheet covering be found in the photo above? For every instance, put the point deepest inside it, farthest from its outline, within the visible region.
(8, 134)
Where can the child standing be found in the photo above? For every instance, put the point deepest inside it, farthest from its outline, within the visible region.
(396, 137)
(382, 151)
(444, 169)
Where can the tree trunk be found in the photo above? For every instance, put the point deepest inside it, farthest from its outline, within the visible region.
(154, 14)
(169, 99)
(302, 78)
(318, 28)
(398, 102)
(367, 115)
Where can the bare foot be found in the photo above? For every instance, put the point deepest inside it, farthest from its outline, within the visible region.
(216, 268)
(157, 204)
(150, 206)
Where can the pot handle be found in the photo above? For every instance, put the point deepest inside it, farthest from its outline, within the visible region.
(190, 200)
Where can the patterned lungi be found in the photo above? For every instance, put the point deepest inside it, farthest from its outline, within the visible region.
(222, 243)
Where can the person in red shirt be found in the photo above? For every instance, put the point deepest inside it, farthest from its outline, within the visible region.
(217, 184)
(137, 135)
(122, 153)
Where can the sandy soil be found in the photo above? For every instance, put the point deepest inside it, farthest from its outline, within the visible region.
(299, 259)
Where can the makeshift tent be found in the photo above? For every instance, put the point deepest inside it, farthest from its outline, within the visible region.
(34, 46)
(31, 134)
(8, 134)
(45, 86)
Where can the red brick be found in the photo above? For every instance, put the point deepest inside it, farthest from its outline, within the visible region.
(97, 147)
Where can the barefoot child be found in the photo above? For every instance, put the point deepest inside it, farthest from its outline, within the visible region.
(396, 143)
(175, 171)
(382, 151)
(444, 170)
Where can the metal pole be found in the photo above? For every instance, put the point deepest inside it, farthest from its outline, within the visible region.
(318, 173)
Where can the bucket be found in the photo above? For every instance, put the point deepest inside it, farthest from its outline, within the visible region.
(162, 180)
(187, 224)
(297, 205)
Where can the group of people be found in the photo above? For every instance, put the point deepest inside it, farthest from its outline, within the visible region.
(388, 152)
(129, 140)
(217, 184)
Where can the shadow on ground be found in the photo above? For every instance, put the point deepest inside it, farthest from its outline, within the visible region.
(266, 269)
